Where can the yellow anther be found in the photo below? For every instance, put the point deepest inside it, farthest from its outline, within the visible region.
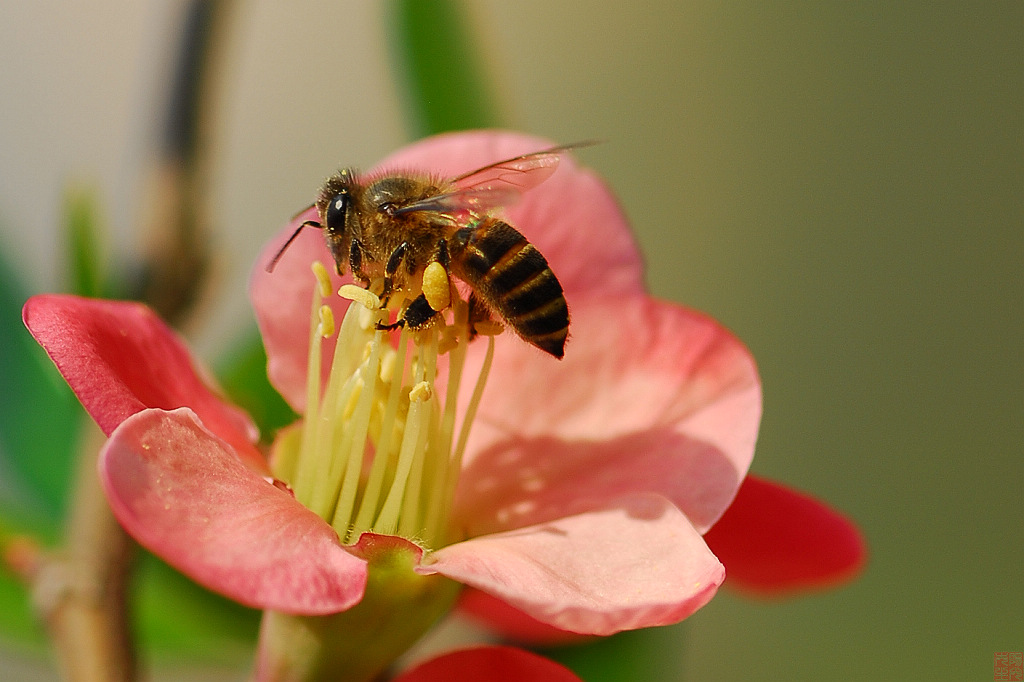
(369, 299)
(323, 279)
(436, 288)
(488, 328)
(421, 392)
(326, 328)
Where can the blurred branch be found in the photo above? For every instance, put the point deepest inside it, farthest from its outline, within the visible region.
(175, 207)
(81, 591)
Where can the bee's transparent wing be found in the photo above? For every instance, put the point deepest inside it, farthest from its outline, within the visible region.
(472, 199)
(495, 185)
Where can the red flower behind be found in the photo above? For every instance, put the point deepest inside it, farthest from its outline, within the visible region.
(489, 664)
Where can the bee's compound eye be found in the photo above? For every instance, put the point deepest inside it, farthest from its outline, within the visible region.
(336, 211)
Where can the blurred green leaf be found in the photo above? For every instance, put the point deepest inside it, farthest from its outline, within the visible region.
(445, 84)
(18, 623)
(243, 375)
(85, 252)
(41, 416)
(175, 618)
(649, 655)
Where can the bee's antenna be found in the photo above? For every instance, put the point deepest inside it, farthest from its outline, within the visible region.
(280, 252)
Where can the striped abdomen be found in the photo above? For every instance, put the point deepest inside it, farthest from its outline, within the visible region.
(512, 277)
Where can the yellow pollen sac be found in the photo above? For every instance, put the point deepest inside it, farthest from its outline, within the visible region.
(323, 280)
(436, 288)
(449, 340)
(421, 392)
(326, 321)
(369, 299)
(488, 328)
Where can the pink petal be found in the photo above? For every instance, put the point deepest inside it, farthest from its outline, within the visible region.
(650, 396)
(184, 495)
(489, 664)
(774, 540)
(282, 300)
(636, 563)
(524, 482)
(120, 359)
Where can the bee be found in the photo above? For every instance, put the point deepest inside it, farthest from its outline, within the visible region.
(393, 227)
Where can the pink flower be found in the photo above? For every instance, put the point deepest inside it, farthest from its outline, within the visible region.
(583, 489)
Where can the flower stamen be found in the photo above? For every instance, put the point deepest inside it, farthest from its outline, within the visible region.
(326, 327)
(323, 279)
(388, 430)
(375, 452)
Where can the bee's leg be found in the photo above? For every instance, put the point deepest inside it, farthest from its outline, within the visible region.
(478, 312)
(419, 315)
(394, 262)
(441, 254)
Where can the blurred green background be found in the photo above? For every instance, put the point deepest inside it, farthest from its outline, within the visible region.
(842, 184)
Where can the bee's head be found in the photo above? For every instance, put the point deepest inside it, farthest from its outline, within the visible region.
(336, 213)
(335, 203)
(338, 219)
